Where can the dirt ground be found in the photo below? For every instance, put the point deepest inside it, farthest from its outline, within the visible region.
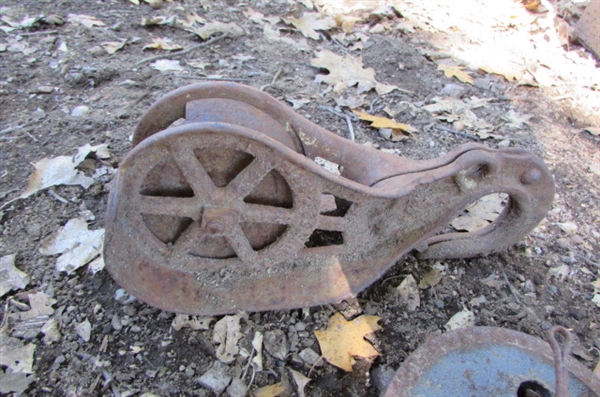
(57, 67)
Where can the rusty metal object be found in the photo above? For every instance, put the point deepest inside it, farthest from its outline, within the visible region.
(223, 211)
(489, 361)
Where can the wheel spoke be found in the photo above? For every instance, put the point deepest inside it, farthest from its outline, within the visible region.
(240, 244)
(331, 223)
(192, 170)
(258, 213)
(243, 184)
(190, 238)
(172, 206)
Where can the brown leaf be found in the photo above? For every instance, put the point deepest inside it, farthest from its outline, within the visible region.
(113, 46)
(430, 279)
(343, 340)
(276, 390)
(384, 122)
(310, 22)
(85, 20)
(346, 72)
(162, 44)
(456, 71)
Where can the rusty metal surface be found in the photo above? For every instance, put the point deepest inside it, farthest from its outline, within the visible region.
(223, 212)
(588, 27)
(488, 361)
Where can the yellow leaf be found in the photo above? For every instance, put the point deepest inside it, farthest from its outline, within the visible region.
(278, 389)
(430, 279)
(162, 44)
(456, 71)
(310, 22)
(113, 46)
(384, 122)
(343, 340)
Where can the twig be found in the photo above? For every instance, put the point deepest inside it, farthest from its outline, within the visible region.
(340, 115)
(186, 51)
(459, 133)
(56, 196)
(313, 366)
(591, 262)
(38, 33)
(272, 81)
(350, 128)
(211, 78)
(511, 288)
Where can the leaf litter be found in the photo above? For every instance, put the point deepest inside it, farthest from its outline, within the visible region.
(11, 278)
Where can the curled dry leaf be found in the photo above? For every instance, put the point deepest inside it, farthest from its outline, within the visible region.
(384, 122)
(11, 277)
(157, 20)
(41, 305)
(226, 334)
(343, 340)
(196, 323)
(310, 22)
(346, 72)
(300, 380)
(113, 46)
(163, 44)
(166, 65)
(273, 35)
(77, 245)
(16, 382)
(191, 20)
(18, 359)
(409, 293)
(56, 171)
(456, 71)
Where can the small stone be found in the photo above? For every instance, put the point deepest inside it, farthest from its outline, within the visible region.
(300, 326)
(80, 111)
(135, 329)
(216, 378)
(116, 323)
(453, 90)
(123, 297)
(386, 133)
(84, 330)
(237, 388)
(504, 143)
(151, 373)
(311, 357)
(576, 313)
(275, 342)
(97, 51)
(44, 89)
(563, 243)
(57, 362)
(156, 4)
(577, 239)
(189, 371)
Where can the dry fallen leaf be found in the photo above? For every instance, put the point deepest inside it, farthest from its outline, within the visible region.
(480, 213)
(164, 65)
(157, 20)
(16, 382)
(226, 334)
(191, 20)
(456, 71)
(113, 46)
(346, 72)
(276, 390)
(384, 122)
(211, 28)
(196, 323)
(41, 305)
(55, 171)
(18, 359)
(273, 35)
(310, 22)
(343, 340)
(300, 380)
(595, 131)
(85, 20)
(77, 245)
(409, 293)
(162, 44)
(11, 277)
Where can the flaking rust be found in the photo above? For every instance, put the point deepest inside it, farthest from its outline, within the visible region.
(223, 211)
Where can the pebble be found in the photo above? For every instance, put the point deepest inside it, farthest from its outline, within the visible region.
(311, 357)
(563, 243)
(276, 343)
(80, 111)
(504, 143)
(300, 326)
(123, 297)
(576, 313)
(189, 371)
(44, 89)
(216, 378)
(136, 329)
(453, 90)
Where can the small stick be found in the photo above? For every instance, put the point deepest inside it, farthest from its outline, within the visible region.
(511, 288)
(186, 51)
(459, 133)
(340, 115)
(56, 196)
(350, 128)
(272, 81)
(38, 33)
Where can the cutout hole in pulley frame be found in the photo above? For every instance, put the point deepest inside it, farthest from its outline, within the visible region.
(532, 388)
(261, 235)
(223, 164)
(272, 191)
(332, 205)
(324, 238)
(479, 214)
(166, 180)
(166, 228)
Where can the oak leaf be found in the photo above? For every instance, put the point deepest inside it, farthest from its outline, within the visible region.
(310, 22)
(162, 44)
(456, 71)
(278, 389)
(346, 72)
(384, 122)
(343, 340)
(211, 28)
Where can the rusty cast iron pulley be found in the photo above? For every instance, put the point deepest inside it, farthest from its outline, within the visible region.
(226, 209)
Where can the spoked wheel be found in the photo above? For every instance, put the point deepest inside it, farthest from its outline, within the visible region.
(208, 195)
